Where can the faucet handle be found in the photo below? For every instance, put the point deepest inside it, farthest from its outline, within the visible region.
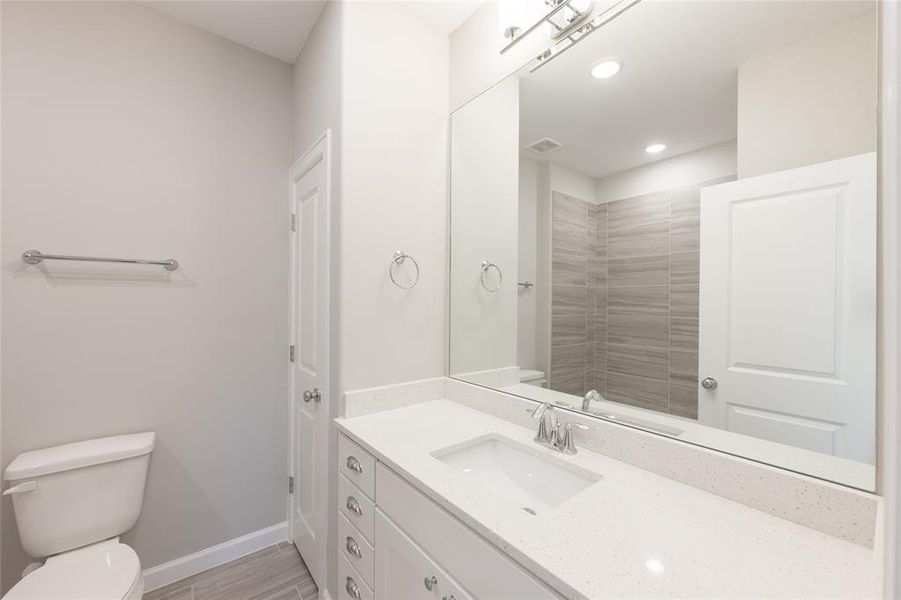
(568, 444)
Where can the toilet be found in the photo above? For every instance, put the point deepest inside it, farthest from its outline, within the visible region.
(532, 377)
(71, 504)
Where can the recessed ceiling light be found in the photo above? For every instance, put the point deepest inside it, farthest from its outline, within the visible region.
(606, 68)
(655, 148)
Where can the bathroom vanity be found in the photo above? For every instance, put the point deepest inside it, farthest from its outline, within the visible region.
(439, 500)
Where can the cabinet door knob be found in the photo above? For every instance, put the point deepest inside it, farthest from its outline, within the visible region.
(354, 465)
(709, 383)
(431, 582)
(353, 547)
(352, 588)
(354, 506)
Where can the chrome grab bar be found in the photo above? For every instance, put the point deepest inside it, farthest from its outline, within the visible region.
(34, 257)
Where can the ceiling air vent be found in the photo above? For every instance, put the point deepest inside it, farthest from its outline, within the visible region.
(544, 146)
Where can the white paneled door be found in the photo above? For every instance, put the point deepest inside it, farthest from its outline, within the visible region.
(309, 354)
(788, 307)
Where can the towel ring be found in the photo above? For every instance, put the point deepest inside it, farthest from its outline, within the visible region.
(486, 265)
(399, 258)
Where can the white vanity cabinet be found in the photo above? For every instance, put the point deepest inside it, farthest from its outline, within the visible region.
(406, 547)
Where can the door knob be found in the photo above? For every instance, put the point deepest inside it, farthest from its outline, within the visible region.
(431, 582)
(709, 383)
(309, 396)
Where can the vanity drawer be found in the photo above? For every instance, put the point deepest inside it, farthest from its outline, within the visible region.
(350, 585)
(405, 572)
(354, 505)
(357, 465)
(476, 564)
(356, 549)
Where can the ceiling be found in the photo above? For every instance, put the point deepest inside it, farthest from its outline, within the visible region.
(280, 28)
(445, 15)
(678, 81)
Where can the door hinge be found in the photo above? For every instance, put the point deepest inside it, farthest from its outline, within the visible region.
(293, 222)
(291, 352)
(290, 485)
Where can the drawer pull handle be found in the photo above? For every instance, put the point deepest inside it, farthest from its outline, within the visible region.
(354, 506)
(431, 582)
(352, 589)
(354, 465)
(353, 547)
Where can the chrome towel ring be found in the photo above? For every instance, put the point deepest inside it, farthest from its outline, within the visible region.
(487, 266)
(400, 257)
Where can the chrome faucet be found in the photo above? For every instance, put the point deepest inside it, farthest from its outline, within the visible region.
(547, 425)
(549, 430)
(591, 396)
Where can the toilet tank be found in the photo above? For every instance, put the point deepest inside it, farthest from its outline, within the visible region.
(77, 494)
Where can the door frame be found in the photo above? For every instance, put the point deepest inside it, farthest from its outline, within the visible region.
(318, 152)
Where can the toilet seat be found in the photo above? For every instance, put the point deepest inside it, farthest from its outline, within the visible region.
(105, 571)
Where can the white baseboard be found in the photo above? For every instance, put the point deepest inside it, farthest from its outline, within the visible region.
(198, 562)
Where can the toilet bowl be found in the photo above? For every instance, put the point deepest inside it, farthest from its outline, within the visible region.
(108, 570)
(71, 504)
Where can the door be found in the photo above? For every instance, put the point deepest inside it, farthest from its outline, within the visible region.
(404, 572)
(310, 355)
(788, 307)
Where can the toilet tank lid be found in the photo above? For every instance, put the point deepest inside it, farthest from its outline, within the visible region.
(79, 454)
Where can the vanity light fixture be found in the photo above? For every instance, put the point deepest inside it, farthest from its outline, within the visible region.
(606, 68)
(655, 148)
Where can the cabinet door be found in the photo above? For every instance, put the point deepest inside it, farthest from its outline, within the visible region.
(404, 572)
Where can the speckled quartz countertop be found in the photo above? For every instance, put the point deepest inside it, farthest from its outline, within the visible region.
(633, 534)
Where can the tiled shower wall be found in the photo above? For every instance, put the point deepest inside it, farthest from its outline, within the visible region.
(624, 303)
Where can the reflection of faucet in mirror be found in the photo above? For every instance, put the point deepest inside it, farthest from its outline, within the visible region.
(592, 395)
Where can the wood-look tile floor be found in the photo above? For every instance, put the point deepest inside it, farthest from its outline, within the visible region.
(274, 573)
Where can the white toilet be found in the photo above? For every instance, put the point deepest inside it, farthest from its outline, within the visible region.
(71, 503)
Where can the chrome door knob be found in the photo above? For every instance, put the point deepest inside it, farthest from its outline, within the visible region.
(431, 582)
(709, 383)
(309, 396)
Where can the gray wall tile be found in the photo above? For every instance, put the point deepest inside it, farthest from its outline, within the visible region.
(632, 360)
(685, 267)
(685, 202)
(639, 240)
(644, 300)
(569, 299)
(644, 270)
(567, 330)
(569, 268)
(683, 365)
(638, 391)
(683, 334)
(683, 399)
(685, 235)
(684, 301)
(653, 208)
(631, 330)
(568, 209)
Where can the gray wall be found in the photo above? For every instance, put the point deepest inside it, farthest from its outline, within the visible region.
(128, 133)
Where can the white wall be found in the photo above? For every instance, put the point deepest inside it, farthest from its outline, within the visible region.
(378, 77)
(568, 181)
(127, 133)
(394, 195)
(705, 164)
(528, 262)
(810, 102)
(484, 214)
(317, 108)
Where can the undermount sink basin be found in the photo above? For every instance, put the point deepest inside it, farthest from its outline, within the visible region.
(534, 481)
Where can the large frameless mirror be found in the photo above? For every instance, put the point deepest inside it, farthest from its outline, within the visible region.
(672, 225)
